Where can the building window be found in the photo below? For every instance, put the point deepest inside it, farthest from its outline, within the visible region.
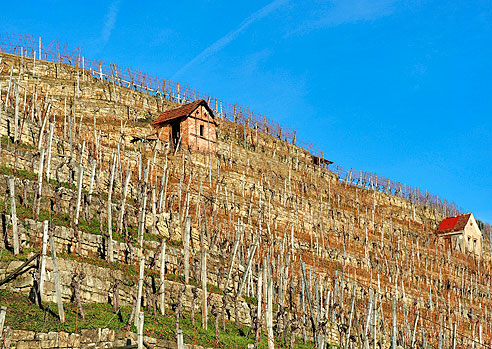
(475, 245)
(201, 130)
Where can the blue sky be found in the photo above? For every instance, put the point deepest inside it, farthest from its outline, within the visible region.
(399, 88)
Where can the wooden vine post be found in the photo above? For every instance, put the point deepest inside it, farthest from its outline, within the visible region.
(186, 249)
(163, 278)
(42, 269)
(351, 316)
(394, 328)
(13, 216)
(140, 344)
(50, 141)
(3, 312)
(140, 288)
(248, 267)
(40, 182)
(269, 311)
(56, 277)
(79, 194)
(204, 280)
(110, 209)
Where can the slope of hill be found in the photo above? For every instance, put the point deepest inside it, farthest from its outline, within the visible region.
(287, 252)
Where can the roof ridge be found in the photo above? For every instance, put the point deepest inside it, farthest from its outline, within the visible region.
(178, 112)
(452, 224)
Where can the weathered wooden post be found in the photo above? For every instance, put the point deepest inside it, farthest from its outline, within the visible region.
(440, 332)
(234, 252)
(9, 88)
(394, 332)
(123, 199)
(374, 328)
(204, 280)
(41, 131)
(42, 269)
(186, 248)
(79, 194)
(180, 339)
(163, 275)
(40, 182)
(56, 277)
(258, 297)
(110, 209)
(141, 224)
(70, 134)
(154, 209)
(50, 141)
(454, 336)
(351, 316)
(163, 191)
(3, 312)
(140, 287)
(141, 318)
(248, 268)
(368, 319)
(269, 310)
(16, 110)
(414, 329)
(91, 182)
(13, 216)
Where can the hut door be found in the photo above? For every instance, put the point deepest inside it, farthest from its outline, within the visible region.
(175, 127)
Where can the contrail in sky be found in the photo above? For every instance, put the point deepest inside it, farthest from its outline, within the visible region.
(109, 22)
(223, 41)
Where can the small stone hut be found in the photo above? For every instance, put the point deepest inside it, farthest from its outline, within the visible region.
(461, 233)
(191, 126)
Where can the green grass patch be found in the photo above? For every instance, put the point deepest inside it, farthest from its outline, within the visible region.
(22, 174)
(24, 315)
(7, 141)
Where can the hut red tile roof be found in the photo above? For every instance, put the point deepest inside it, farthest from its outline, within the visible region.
(452, 224)
(183, 111)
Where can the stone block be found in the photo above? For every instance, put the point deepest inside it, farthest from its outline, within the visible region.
(107, 335)
(41, 336)
(74, 340)
(53, 336)
(63, 340)
(49, 343)
(22, 335)
(87, 345)
(150, 340)
(89, 336)
(27, 345)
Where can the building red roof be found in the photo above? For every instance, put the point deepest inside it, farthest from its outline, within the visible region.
(183, 111)
(452, 224)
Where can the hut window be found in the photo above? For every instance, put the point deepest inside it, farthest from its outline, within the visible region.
(201, 130)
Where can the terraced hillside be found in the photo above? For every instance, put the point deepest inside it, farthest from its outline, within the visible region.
(255, 245)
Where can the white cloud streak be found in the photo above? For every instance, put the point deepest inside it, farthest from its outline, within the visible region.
(109, 22)
(225, 40)
(337, 12)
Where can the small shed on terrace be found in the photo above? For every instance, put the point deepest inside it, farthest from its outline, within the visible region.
(461, 233)
(191, 126)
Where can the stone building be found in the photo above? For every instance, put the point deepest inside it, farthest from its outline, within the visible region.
(191, 126)
(461, 233)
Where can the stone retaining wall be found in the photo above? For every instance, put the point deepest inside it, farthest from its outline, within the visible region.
(97, 338)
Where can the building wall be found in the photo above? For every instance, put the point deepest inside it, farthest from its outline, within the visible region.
(190, 128)
(467, 240)
(473, 236)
